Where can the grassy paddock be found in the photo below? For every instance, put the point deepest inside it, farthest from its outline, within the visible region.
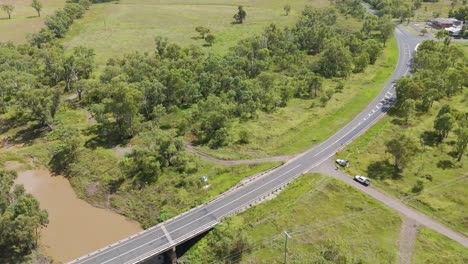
(24, 19)
(432, 247)
(299, 126)
(445, 192)
(428, 9)
(314, 208)
(132, 25)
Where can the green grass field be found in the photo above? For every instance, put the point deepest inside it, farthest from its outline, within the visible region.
(445, 184)
(431, 247)
(312, 209)
(429, 9)
(24, 19)
(132, 25)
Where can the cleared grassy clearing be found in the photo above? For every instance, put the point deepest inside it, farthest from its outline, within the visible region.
(445, 184)
(132, 25)
(431, 247)
(24, 19)
(428, 10)
(300, 125)
(312, 209)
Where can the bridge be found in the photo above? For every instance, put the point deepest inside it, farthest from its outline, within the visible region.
(167, 235)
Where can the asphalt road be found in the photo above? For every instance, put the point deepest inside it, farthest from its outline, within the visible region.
(187, 225)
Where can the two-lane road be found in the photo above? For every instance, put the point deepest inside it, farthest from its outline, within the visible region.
(187, 225)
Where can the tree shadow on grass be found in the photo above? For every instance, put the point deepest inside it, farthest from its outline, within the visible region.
(430, 138)
(445, 164)
(103, 138)
(29, 134)
(383, 170)
(9, 123)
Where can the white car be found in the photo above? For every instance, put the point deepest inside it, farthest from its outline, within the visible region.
(343, 163)
(362, 180)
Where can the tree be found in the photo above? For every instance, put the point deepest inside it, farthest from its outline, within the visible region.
(402, 148)
(443, 124)
(373, 48)
(8, 9)
(241, 15)
(418, 187)
(203, 31)
(85, 4)
(361, 62)
(78, 65)
(66, 152)
(142, 166)
(58, 23)
(287, 9)
(369, 24)
(37, 6)
(313, 85)
(462, 142)
(210, 39)
(42, 37)
(386, 27)
(408, 108)
(74, 10)
(441, 34)
(20, 219)
(423, 32)
(336, 60)
(122, 103)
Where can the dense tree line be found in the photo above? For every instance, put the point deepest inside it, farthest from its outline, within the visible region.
(395, 8)
(32, 79)
(460, 13)
(20, 220)
(58, 23)
(261, 73)
(207, 91)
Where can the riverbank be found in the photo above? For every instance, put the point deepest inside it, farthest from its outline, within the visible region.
(75, 227)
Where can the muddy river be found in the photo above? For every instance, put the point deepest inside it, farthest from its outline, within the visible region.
(75, 227)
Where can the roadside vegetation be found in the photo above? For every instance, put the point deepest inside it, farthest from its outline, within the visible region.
(328, 221)
(432, 247)
(423, 142)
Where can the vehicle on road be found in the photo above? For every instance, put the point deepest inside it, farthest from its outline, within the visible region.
(362, 180)
(342, 163)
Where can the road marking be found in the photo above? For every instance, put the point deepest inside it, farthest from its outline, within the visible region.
(203, 226)
(167, 235)
(210, 213)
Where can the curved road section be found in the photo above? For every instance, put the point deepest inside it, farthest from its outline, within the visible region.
(175, 231)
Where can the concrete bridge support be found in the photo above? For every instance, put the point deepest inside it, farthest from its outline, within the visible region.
(171, 256)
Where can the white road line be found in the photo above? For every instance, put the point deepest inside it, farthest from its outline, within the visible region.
(147, 244)
(168, 236)
(210, 213)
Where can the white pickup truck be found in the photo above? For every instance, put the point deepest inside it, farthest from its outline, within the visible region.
(362, 180)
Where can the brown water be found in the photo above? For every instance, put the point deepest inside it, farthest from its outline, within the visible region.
(75, 227)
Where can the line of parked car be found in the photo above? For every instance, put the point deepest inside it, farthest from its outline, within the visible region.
(361, 179)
